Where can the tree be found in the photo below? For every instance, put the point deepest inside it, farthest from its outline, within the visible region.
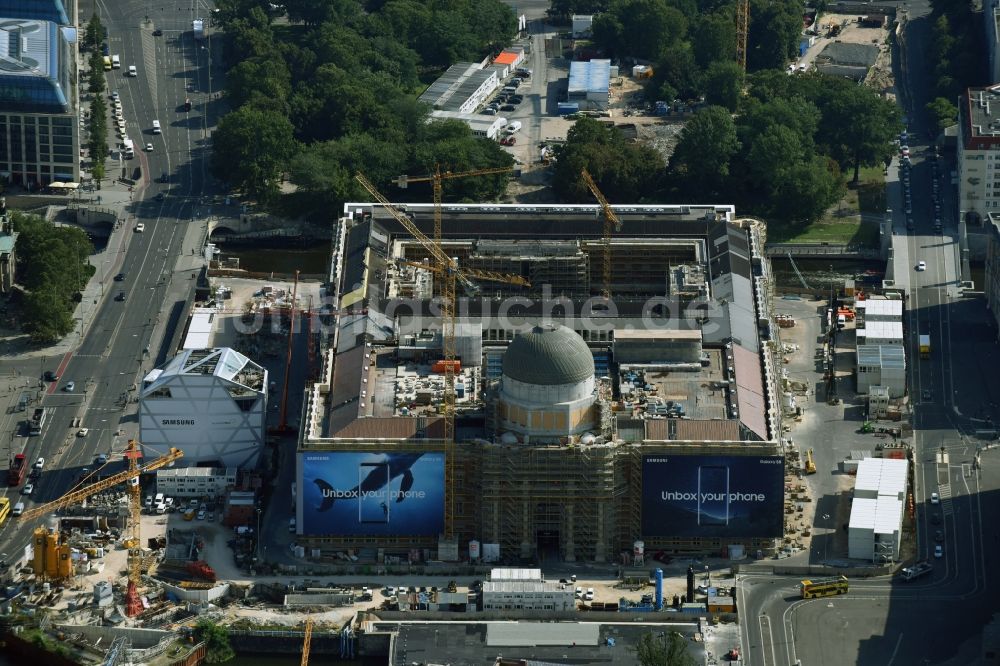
(95, 79)
(713, 39)
(216, 638)
(46, 315)
(94, 34)
(775, 28)
(943, 112)
(723, 84)
(859, 125)
(663, 649)
(640, 28)
(250, 147)
(699, 165)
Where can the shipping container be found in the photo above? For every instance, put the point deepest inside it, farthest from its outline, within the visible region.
(566, 108)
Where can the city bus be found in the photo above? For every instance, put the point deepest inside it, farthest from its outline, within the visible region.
(4, 509)
(823, 587)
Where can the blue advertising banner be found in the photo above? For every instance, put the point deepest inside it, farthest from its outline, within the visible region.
(359, 493)
(712, 496)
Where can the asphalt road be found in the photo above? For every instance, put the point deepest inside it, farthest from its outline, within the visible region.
(123, 342)
(937, 619)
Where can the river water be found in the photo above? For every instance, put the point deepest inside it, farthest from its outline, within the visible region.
(314, 260)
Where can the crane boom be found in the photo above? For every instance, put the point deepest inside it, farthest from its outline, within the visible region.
(77, 496)
(306, 641)
(437, 178)
(610, 221)
(447, 267)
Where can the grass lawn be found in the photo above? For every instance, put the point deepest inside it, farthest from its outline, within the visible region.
(842, 224)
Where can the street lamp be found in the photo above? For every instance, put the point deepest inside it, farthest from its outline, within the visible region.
(708, 576)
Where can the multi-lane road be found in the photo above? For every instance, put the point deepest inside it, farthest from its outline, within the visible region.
(123, 340)
(937, 619)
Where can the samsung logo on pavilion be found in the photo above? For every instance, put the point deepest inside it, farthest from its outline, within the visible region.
(189, 422)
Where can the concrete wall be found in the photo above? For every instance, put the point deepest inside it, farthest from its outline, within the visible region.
(184, 594)
(318, 599)
(140, 638)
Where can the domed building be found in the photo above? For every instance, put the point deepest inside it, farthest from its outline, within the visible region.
(547, 387)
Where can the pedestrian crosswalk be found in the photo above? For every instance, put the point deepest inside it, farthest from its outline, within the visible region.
(944, 492)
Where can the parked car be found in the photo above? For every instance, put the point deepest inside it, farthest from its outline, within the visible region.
(938, 535)
(83, 432)
(201, 514)
(28, 489)
(938, 551)
(70, 386)
(100, 459)
(935, 499)
(507, 107)
(39, 464)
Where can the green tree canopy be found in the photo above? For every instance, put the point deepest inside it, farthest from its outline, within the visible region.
(699, 166)
(666, 648)
(217, 647)
(251, 147)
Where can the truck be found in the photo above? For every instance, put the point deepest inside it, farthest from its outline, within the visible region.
(37, 421)
(18, 468)
(198, 28)
(128, 147)
(925, 346)
(916, 571)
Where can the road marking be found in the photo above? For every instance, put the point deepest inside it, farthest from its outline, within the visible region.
(895, 651)
(768, 638)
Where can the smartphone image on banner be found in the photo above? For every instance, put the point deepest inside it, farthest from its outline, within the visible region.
(373, 504)
(713, 495)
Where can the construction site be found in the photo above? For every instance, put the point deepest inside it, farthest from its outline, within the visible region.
(518, 368)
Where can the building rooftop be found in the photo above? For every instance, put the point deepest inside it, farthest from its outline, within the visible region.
(469, 644)
(589, 77)
(882, 476)
(476, 121)
(224, 363)
(891, 357)
(34, 59)
(981, 118)
(880, 307)
(508, 574)
(881, 330)
(849, 54)
(442, 90)
(39, 10)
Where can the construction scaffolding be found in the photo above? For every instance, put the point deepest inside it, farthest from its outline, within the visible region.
(550, 502)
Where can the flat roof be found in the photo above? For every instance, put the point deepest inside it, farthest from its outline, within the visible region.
(863, 513)
(506, 573)
(888, 515)
(473, 120)
(882, 307)
(530, 634)
(884, 476)
(887, 357)
(881, 330)
(657, 334)
(592, 76)
(199, 335)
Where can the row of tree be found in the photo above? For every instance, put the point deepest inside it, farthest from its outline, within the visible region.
(52, 266)
(782, 156)
(956, 59)
(97, 125)
(337, 93)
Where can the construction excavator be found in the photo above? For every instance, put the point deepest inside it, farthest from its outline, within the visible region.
(810, 465)
(52, 555)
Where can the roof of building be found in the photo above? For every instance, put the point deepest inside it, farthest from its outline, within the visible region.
(863, 513)
(658, 334)
(522, 586)
(476, 121)
(507, 58)
(447, 84)
(221, 362)
(890, 357)
(392, 427)
(197, 471)
(880, 307)
(506, 573)
(981, 118)
(888, 514)
(692, 430)
(592, 76)
(848, 54)
(750, 391)
(40, 10)
(548, 355)
(199, 333)
(883, 476)
(527, 634)
(881, 330)
(32, 65)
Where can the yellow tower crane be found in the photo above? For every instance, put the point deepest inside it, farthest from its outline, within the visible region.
(306, 641)
(437, 179)
(742, 32)
(443, 265)
(611, 221)
(52, 559)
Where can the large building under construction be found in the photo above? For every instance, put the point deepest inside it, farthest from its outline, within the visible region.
(585, 429)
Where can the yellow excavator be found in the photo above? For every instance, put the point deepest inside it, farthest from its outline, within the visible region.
(810, 465)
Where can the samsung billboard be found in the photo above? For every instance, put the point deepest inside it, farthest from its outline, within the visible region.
(712, 496)
(354, 493)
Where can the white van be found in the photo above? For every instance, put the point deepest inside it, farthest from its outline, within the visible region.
(132, 71)
(19, 508)
(116, 63)
(156, 127)
(515, 126)
(129, 147)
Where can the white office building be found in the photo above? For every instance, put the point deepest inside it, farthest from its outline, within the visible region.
(210, 403)
(882, 365)
(527, 595)
(195, 481)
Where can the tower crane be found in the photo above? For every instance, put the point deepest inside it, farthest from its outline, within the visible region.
(610, 221)
(447, 267)
(306, 641)
(437, 181)
(133, 605)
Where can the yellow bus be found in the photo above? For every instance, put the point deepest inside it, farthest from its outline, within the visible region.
(4, 509)
(823, 587)
(107, 63)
